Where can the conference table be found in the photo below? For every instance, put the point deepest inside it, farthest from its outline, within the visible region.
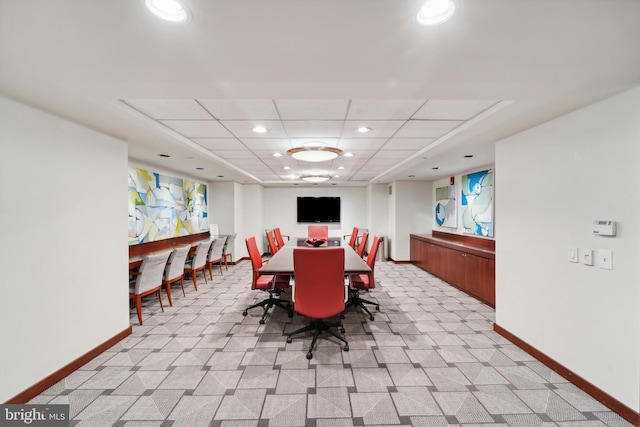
(281, 263)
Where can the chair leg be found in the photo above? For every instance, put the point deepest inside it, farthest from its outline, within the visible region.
(168, 288)
(210, 271)
(355, 300)
(319, 326)
(182, 285)
(139, 308)
(193, 277)
(159, 292)
(268, 304)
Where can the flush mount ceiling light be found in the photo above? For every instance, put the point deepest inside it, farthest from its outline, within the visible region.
(260, 129)
(363, 129)
(435, 12)
(169, 10)
(315, 178)
(314, 152)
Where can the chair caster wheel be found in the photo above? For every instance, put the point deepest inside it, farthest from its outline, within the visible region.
(290, 315)
(346, 347)
(261, 321)
(341, 316)
(370, 317)
(244, 313)
(289, 340)
(309, 356)
(378, 307)
(342, 330)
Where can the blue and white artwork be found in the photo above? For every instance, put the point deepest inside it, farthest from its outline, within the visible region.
(446, 206)
(477, 203)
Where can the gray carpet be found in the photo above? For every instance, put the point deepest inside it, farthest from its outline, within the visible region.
(430, 358)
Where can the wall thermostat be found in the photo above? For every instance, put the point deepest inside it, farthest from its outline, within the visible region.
(604, 228)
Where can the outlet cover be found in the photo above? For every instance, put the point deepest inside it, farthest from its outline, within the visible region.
(605, 259)
(586, 255)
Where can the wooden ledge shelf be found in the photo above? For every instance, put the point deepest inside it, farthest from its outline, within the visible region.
(466, 262)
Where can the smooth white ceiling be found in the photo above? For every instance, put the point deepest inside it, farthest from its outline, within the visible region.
(316, 69)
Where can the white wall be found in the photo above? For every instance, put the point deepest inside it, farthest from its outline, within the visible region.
(409, 213)
(280, 209)
(378, 210)
(64, 243)
(253, 213)
(554, 181)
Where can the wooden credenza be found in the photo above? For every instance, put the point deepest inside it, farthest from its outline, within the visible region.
(466, 262)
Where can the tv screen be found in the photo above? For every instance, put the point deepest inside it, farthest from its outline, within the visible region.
(318, 209)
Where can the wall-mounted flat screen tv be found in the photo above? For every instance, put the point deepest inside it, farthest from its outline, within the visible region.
(318, 209)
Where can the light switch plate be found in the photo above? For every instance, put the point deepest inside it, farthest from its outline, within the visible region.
(573, 254)
(586, 255)
(605, 259)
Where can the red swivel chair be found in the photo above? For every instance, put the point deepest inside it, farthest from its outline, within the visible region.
(364, 282)
(353, 241)
(363, 244)
(265, 283)
(272, 242)
(319, 290)
(279, 237)
(318, 232)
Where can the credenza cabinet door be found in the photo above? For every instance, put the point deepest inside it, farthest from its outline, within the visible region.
(472, 273)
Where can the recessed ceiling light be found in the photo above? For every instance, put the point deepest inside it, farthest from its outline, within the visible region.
(468, 156)
(412, 176)
(286, 168)
(277, 154)
(340, 168)
(164, 155)
(435, 12)
(169, 10)
(260, 129)
(348, 154)
(200, 169)
(336, 176)
(435, 168)
(220, 176)
(363, 129)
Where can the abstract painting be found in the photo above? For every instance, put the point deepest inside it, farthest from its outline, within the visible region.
(477, 203)
(447, 206)
(161, 206)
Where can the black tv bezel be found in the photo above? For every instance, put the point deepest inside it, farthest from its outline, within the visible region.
(318, 219)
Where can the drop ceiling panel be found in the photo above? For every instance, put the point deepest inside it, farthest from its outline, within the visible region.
(237, 154)
(243, 128)
(393, 154)
(379, 128)
(427, 128)
(350, 144)
(383, 109)
(290, 109)
(219, 144)
(329, 142)
(241, 109)
(267, 144)
(452, 109)
(313, 129)
(177, 109)
(198, 128)
(406, 143)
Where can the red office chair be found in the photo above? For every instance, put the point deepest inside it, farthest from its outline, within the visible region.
(363, 244)
(353, 241)
(265, 283)
(272, 242)
(279, 237)
(319, 290)
(364, 282)
(318, 232)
